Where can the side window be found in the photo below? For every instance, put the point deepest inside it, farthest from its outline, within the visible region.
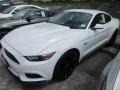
(35, 14)
(107, 18)
(99, 19)
(49, 14)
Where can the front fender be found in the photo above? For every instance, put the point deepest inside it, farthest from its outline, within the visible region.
(62, 46)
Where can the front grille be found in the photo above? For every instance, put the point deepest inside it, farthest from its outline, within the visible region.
(11, 56)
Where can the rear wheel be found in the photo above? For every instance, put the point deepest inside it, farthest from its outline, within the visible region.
(2, 34)
(66, 65)
(113, 38)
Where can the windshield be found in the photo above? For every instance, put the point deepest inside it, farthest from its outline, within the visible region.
(76, 20)
(8, 10)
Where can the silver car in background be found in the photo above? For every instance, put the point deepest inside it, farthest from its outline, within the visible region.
(110, 78)
(4, 4)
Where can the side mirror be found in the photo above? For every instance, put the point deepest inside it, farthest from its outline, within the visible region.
(97, 26)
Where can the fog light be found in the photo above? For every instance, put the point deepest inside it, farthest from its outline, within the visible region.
(32, 75)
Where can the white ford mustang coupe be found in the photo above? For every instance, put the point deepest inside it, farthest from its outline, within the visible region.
(51, 50)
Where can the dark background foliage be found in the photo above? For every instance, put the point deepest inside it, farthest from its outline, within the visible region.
(74, 1)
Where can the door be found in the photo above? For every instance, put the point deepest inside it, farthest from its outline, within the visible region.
(102, 33)
(97, 36)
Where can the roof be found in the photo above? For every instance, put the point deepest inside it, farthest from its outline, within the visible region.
(91, 11)
(20, 6)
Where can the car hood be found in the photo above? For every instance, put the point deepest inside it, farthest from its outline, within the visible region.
(9, 23)
(5, 15)
(35, 38)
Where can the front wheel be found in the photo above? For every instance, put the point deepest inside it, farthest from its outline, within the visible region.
(66, 65)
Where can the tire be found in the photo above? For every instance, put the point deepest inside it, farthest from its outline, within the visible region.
(66, 65)
(2, 34)
(113, 38)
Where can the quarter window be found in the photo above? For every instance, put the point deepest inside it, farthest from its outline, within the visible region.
(107, 18)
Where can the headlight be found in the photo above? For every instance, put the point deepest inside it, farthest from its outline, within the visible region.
(43, 57)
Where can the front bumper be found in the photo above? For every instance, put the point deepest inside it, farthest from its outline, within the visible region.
(28, 71)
